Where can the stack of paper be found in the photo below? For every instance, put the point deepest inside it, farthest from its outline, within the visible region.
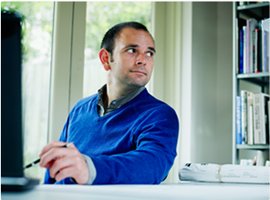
(224, 173)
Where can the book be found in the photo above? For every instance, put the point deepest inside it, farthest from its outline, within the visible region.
(251, 24)
(247, 47)
(257, 122)
(255, 50)
(265, 45)
(259, 45)
(261, 118)
(266, 28)
(227, 173)
(243, 95)
(245, 52)
(238, 121)
(241, 51)
(250, 121)
(254, 46)
(268, 122)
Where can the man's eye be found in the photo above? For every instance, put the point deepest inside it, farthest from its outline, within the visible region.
(150, 54)
(131, 50)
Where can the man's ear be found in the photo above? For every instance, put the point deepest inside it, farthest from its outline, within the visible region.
(104, 57)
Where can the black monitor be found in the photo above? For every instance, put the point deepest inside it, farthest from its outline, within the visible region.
(12, 174)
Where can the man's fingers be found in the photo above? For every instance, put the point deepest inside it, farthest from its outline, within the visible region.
(64, 160)
(80, 177)
(71, 145)
(64, 173)
(59, 165)
(53, 154)
(50, 146)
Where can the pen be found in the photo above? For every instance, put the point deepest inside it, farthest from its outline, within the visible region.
(38, 160)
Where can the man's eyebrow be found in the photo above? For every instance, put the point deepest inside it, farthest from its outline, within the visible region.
(131, 45)
(152, 49)
(135, 46)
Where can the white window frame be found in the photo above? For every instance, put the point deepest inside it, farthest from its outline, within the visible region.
(166, 80)
(67, 63)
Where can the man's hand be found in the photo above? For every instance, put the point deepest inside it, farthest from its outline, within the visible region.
(64, 160)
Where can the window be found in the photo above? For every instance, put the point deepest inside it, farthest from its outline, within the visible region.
(100, 17)
(37, 42)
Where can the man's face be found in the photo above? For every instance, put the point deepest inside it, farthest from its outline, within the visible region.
(133, 58)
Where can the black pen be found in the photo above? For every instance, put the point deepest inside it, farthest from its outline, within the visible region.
(38, 160)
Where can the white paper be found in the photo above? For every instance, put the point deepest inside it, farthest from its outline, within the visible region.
(224, 173)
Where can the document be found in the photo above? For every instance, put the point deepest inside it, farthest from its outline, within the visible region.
(224, 173)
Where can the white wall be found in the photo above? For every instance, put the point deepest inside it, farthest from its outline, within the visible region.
(224, 79)
(210, 82)
(193, 73)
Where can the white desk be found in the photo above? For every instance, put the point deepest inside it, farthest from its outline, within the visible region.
(181, 191)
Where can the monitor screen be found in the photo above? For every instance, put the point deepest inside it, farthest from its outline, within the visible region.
(11, 95)
(12, 174)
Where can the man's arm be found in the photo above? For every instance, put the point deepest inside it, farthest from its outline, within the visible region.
(64, 162)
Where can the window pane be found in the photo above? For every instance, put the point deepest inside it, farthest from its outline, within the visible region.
(100, 17)
(37, 42)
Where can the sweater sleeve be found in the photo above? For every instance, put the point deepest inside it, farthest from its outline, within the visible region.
(155, 139)
(63, 138)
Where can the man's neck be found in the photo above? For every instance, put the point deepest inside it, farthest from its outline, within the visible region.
(117, 92)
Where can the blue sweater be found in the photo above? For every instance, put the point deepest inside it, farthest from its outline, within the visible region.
(135, 144)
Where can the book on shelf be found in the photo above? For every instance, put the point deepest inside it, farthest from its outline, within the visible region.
(243, 110)
(227, 173)
(241, 51)
(261, 115)
(251, 26)
(269, 120)
(238, 121)
(255, 50)
(252, 118)
(254, 46)
(250, 115)
(265, 45)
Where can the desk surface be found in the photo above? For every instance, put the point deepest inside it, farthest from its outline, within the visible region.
(186, 191)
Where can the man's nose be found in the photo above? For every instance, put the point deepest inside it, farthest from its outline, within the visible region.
(141, 59)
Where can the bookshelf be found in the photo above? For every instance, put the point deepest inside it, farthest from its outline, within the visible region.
(250, 78)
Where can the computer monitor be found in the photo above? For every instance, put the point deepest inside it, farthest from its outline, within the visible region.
(12, 174)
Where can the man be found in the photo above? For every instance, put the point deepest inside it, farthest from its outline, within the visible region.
(122, 135)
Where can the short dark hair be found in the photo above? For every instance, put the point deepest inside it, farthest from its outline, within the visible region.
(108, 40)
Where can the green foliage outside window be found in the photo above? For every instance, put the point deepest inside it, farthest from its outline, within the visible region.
(31, 19)
(102, 15)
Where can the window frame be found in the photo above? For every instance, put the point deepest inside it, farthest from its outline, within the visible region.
(67, 63)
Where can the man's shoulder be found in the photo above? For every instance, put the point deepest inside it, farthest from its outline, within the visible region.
(152, 104)
(151, 99)
(86, 101)
(151, 110)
